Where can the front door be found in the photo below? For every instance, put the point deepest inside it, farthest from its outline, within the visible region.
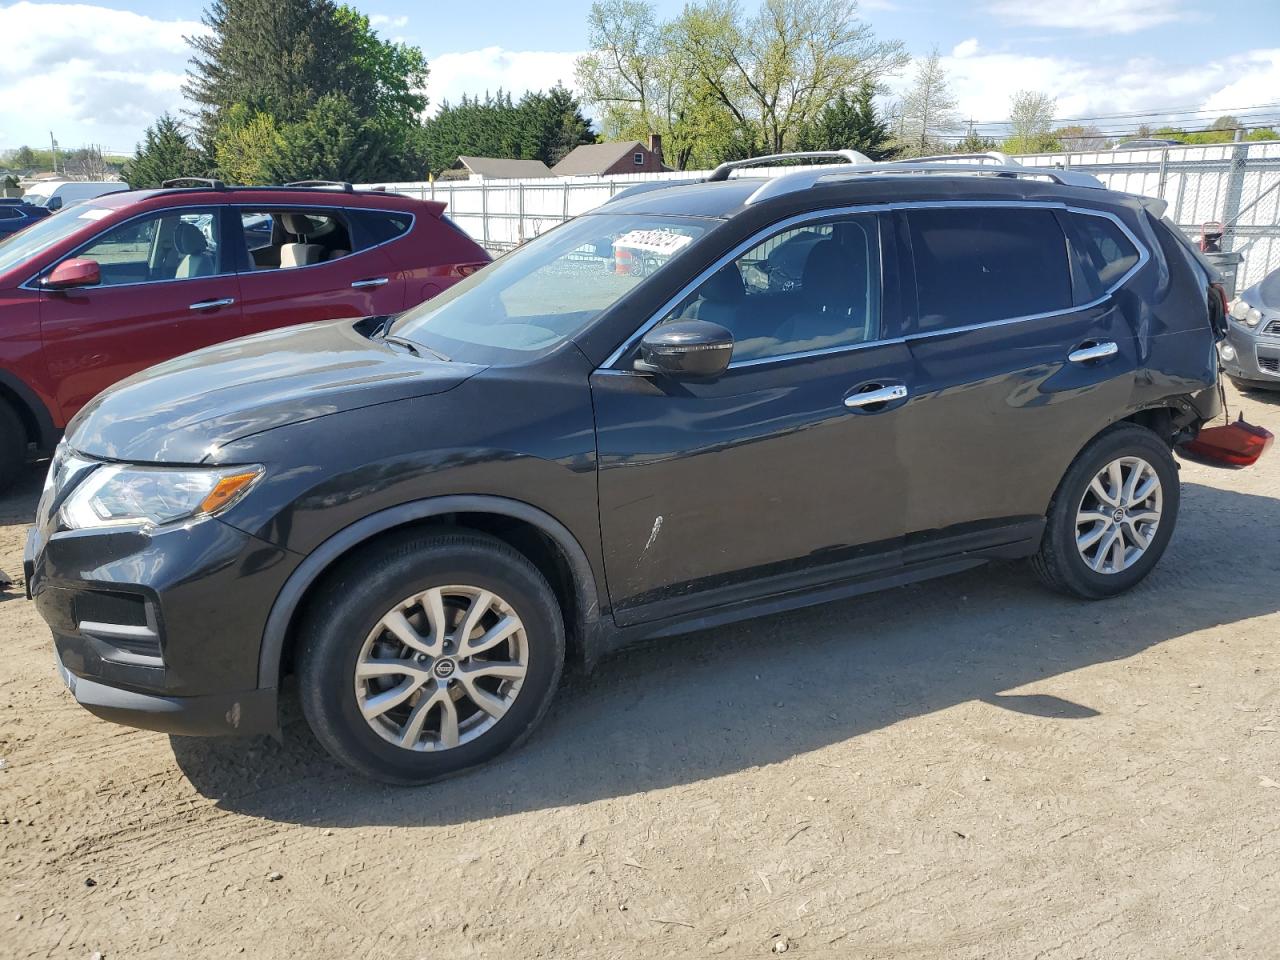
(775, 476)
(304, 264)
(167, 289)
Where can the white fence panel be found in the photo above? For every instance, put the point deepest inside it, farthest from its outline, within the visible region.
(1234, 183)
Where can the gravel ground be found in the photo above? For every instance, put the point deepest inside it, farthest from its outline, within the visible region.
(966, 768)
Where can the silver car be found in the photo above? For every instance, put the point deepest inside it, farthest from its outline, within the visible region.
(1251, 352)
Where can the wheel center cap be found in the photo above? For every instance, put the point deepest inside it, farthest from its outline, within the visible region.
(1118, 516)
(444, 668)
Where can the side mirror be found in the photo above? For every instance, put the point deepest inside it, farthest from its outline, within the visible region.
(73, 273)
(686, 348)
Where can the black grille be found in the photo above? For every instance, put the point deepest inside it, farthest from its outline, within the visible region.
(1273, 328)
(126, 609)
(1271, 364)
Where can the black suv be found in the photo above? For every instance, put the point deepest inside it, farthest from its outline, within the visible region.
(701, 402)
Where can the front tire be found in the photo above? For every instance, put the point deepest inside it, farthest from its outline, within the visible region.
(429, 655)
(1112, 516)
(13, 446)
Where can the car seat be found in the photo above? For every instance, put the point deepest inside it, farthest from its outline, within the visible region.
(190, 244)
(300, 253)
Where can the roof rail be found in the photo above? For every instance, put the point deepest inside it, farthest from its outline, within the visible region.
(196, 181)
(995, 156)
(848, 156)
(804, 179)
(342, 184)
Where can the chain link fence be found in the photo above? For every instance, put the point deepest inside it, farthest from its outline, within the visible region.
(1234, 184)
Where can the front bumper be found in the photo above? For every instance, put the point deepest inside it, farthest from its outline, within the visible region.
(1255, 357)
(161, 630)
(250, 712)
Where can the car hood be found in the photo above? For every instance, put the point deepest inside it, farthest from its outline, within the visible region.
(181, 411)
(1266, 294)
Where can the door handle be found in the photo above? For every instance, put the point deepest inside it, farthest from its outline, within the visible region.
(374, 282)
(1090, 350)
(870, 398)
(212, 304)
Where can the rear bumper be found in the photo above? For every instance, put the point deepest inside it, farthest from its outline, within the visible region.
(250, 712)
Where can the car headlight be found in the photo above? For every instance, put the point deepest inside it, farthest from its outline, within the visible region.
(124, 494)
(1249, 316)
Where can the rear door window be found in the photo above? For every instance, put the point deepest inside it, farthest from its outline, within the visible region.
(285, 239)
(980, 264)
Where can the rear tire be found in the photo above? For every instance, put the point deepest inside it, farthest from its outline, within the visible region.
(392, 677)
(13, 446)
(1112, 516)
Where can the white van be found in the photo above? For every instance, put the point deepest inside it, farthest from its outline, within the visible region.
(56, 194)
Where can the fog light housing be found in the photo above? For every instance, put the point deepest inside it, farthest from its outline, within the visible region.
(1227, 352)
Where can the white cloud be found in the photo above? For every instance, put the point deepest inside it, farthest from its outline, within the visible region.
(516, 71)
(1101, 16)
(383, 20)
(965, 48)
(91, 74)
(983, 84)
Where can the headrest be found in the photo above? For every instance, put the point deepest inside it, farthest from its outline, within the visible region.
(829, 276)
(299, 224)
(724, 286)
(189, 239)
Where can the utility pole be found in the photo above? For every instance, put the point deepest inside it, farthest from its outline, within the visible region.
(53, 151)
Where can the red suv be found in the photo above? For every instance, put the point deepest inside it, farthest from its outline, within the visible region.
(117, 284)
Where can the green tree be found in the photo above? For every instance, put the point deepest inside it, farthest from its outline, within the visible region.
(851, 122)
(245, 143)
(332, 142)
(394, 73)
(24, 158)
(164, 154)
(1031, 123)
(550, 125)
(974, 142)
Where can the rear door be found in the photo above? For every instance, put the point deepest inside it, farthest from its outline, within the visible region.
(1016, 364)
(303, 263)
(168, 287)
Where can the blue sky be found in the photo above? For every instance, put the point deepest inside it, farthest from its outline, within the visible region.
(1096, 57)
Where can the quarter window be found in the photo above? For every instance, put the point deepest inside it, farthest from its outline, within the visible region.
(381, 226)
(1107, 249)
(168, 246)
(813, 288)
(976, 265)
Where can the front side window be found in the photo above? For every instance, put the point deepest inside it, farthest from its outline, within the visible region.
(544, 292)
(50, 231)
(285, 239)
(816, 287)
(980, 264)
(175, 245)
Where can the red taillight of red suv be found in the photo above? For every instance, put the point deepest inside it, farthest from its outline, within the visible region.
(1239, 444)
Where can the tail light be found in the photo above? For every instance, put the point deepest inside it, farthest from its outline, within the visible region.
(1238, 444)
(1218, 309)
(467, 269)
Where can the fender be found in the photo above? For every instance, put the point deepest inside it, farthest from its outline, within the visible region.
(46, 433)
(320, 559)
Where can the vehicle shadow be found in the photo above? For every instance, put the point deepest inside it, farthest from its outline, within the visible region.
(708, 704)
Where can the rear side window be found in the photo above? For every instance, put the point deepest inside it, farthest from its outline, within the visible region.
(285, 239)
(1106, 248)
(976, 265)
(382, 226)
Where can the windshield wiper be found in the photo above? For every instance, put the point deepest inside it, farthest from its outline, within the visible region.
(415, 348)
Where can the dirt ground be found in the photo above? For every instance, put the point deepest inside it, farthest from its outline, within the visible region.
(966, 768)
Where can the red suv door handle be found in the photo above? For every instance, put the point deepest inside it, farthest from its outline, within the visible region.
(212, 304)
(374, 282)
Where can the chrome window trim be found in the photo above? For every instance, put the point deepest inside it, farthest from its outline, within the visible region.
(413, 221)
(30, 283)
(760, 236)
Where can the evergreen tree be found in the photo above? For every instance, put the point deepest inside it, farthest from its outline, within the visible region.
(332, 142)
(164, 154)
(851, 123)
(551, 124)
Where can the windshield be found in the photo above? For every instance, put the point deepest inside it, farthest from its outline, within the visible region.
(42, 235)
(544, 292)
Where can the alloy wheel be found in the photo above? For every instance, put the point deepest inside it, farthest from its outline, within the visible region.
(1118, 515)
(442, 667)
